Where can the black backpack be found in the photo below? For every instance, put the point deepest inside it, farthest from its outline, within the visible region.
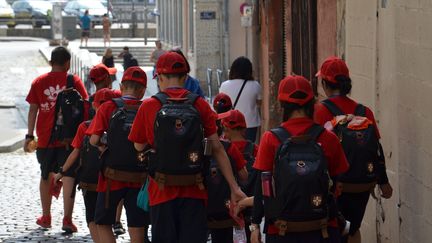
(218, 189)
(122, 155)
(178, 137)
(248, 155)
(69, 113)
(90, 163)
(91, 110)
(360, 147)
(301, 179)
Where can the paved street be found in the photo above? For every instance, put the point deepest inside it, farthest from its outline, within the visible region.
(20, 63)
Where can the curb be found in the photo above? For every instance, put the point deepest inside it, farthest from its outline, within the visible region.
(13, 144)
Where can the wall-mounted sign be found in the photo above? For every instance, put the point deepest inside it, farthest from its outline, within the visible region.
(208, 15)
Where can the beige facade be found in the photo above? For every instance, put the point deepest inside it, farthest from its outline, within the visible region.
(388, 47)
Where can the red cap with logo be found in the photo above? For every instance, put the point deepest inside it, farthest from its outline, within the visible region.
(103, 95)
(331, 68)
(135, 74)
(294, 84)
(222, 100)
(171, 63)
(233, 119)
(100, 72)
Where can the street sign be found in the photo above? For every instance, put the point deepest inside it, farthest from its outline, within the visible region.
(246, 21)
(207, 15)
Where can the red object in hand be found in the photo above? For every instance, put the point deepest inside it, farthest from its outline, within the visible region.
(55, 188)
(238, 218)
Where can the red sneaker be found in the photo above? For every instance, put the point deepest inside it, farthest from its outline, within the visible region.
(68, 226)
(44, 221)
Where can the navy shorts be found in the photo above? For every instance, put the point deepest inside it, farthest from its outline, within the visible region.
(182, 220)
(136, 217)
(90, 199)
(353, 207)
(51, 159)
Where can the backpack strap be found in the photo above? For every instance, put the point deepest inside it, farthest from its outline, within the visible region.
(70, 81)
(249, 148)
(332, 107)
(192, 98)
(119, 102)
(87, 123)
(360, 110)
(315, 131)
(281, 133)
(161, 97)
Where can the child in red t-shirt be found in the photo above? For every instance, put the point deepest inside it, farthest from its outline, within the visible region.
(51, 155)
(297, 100)
(336, 83)
(112, 187)
(178, 213)
(89, 191)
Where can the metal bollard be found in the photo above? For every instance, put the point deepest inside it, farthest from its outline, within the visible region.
(209, 82)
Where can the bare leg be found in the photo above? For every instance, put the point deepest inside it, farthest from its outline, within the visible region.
(94, 232)
(136, 234)
(105, 234)
(119, 210)
(68, 201)
(44, 189)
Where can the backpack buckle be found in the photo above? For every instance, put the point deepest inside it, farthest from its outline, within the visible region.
(282, 225)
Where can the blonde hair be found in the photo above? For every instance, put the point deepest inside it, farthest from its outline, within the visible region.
(108, 52)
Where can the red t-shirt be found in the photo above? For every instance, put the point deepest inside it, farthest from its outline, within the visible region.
(241, 145)
(346, 105)
(43, 92)
(237, 156)
(142, 132)
(98, 126)
(333, 152)
(79, 136)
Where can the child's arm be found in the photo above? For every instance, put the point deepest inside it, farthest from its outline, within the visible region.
(243, 175)
(73, 157)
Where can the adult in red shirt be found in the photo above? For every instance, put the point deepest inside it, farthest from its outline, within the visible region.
(336, 83)
(297, 100)
(110, 190)
(51, 155)
(178, 212)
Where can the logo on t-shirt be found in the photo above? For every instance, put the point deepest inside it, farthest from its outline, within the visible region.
(51, 93)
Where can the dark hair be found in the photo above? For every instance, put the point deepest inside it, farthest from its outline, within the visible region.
(343, 84)
(219, 128)
(60, 55)
(178, 51)
(289, 108)
(241, 68)
(133, 62)
(132, 85)
(221, 108)
(105, 15)
(126, 48)
(174, 75)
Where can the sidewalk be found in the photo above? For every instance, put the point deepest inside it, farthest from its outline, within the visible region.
(12, 130)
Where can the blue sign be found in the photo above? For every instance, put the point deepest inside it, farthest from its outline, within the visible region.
(208, 15)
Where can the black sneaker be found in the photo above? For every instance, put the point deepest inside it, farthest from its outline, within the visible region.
(118, 229)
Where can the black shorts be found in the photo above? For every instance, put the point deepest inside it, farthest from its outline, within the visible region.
(353, 207)
(182, 220)
(136, 217)
(309, 237)
(51, 159)
(90, 199)
(85, 33)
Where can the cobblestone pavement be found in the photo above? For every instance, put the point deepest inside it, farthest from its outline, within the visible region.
(20, 205)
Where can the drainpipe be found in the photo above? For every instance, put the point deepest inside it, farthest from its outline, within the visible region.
(226, 62)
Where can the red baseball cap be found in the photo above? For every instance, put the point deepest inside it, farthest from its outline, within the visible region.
(233, 119)
(103, 95)
(331, 68)
(100, 72)
(222, 100)
(135, 74)
(293, 84)
(171, 63)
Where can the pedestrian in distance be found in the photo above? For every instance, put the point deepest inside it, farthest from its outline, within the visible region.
(46, 95)
(86, 157)
(358, 132)
(106, 26)
(86, 23)
(234, 130)
(159, 51)
(127, 56)
(192, 84)
(299, 160)
(108, 60)
(123, 174)
(176, 190)
(246, 94)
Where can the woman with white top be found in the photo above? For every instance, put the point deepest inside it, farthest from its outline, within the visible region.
(245, 93)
